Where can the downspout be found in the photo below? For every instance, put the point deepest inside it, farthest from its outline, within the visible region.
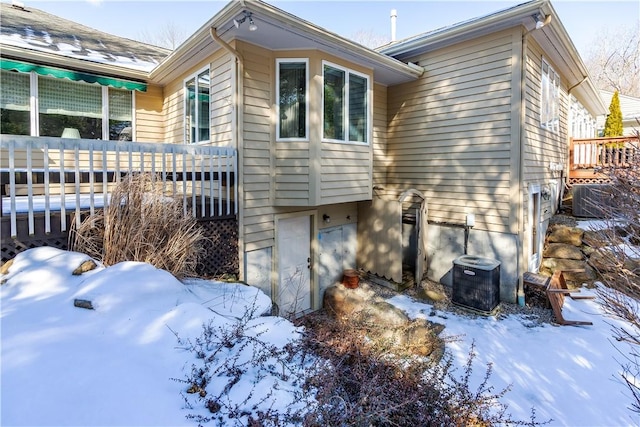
(238, 104)
(523, 117)
(523, 138)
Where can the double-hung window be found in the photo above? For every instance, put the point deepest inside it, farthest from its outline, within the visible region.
(345, 105)
(196, 107)
(550, 98)
(291, 94)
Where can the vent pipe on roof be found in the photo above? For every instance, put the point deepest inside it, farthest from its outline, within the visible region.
(394, 16)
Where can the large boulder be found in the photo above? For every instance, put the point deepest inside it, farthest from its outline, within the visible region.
(344, 302)
(384, 322)
(559, 233)
(562, 251)
(604, 260)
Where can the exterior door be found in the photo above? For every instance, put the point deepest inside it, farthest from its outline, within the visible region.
(337, 252)
(294, 265)
(535, 226)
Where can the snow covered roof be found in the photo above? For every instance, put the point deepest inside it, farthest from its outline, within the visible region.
(36, 30)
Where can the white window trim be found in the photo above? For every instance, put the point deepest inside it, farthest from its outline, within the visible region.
(346, 106)
(184, 105)
(534, 259)
(33, 101)
(34, 108)
(306, 106)
(555, 82)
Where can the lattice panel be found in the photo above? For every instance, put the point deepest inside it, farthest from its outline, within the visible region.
(574, 181)
(12, 247)
(221, 248)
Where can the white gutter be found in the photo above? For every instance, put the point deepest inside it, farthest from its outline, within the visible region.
(493, 22)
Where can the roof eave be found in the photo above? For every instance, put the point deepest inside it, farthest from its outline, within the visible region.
(291, 23)
(452, 33)
(347, 46)
(72, 63)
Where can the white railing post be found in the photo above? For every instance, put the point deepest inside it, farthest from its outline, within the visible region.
(34, 162)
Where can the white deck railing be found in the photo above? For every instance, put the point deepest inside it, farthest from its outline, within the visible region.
(43, 174)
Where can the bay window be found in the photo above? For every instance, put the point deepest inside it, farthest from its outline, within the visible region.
(196, 107)
(291, 95)
(345, 105)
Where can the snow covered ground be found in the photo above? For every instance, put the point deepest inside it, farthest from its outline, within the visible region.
(113, 365)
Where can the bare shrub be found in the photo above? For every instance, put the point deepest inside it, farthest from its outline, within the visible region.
(619, 262)
(363, 384)
(142, 224)
(344, 378)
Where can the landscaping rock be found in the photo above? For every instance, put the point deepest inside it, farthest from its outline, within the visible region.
(575, 272)
(4, 269)
(633, 265)
(603, 260)
(563, 251)
(563, 234)
(88, 265)
(594, 239)
(418, 337)
(383, 313)
(341, 302)
(385, 321)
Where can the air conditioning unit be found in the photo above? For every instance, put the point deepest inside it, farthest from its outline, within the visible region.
(589, 200)
(476, 283)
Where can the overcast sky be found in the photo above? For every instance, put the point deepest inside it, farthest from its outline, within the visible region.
(584, 20)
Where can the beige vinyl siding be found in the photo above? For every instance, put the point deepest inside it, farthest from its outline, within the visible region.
(379, 143)
(222, 122)
(221, 104)
(345, 173)
(257, 164)
(542, 146)
(292, 173)
(149, 115)
(450, 133)
(174, 106)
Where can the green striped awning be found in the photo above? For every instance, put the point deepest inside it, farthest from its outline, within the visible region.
(25, 67)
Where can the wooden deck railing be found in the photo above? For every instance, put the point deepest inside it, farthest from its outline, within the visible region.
(59, 175)
(589, 156)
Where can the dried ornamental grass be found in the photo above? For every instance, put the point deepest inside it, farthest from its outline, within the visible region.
(142, 224)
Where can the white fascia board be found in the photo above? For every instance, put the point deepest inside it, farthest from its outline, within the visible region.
(331, 40)
(457, 32)
(287, 22)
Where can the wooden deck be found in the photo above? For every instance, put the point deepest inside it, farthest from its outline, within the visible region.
(590, 158)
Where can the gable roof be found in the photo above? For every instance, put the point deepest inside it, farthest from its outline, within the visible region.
(553, 38)
(29, 33)
(280, 30)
